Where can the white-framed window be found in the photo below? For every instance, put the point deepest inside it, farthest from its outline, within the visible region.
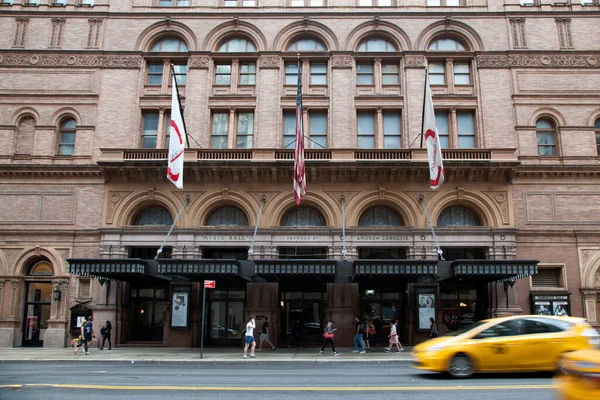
(528, 3)
(545, 130)
(317, 129)
(289, 129)
(87, 2)
(464, 136)
(235, 71)
(158, 68)
(392, 129)
(366, 129)
(379, 129)
(67, 132)
(239, 123)
(59, 3)
(240, 3)
(549, 276)
(453, 72)
(174, 3)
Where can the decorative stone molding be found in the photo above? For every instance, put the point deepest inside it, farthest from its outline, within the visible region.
(63, 60)
(336, 196)
(590, 297)
(342, 61)
(114, 199)
(267, 195)
(269, 61)
(14, 290)
(203, 62)
(412, 61)
(1, 295)
(508, 61)
(500, 200)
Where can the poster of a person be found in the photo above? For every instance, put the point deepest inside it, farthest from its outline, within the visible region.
(560, 309)
(426, 301)
(426, 309)
(542, 308)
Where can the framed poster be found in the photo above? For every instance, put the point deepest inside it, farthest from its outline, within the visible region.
(551, 304)
(426, 302)
(180, 307)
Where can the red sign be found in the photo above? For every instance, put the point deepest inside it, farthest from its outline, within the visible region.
(209, 284)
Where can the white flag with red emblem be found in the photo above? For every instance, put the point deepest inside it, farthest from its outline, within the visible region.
(299, 173)
(176, 140)
(432, 141)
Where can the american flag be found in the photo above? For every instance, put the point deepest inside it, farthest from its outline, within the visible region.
(299, 173)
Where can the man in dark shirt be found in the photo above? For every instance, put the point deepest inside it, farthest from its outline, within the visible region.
(358, 336)
(264, 335)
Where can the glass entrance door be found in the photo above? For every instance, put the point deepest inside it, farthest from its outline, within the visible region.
(149, 305)
(307, 309)
(37, 313)
(225, 317)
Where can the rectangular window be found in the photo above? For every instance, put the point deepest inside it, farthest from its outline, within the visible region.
(437, 74)
(598, 143)
(245, 130)
(167, 129)
(306, 3)
(87, 2)
(59, 2)
(443, 3)
(545, 142)
(150, 132)
(462, 75)
(441, 120)
(528, 2)
(390, 74)
(366, 130)
(155, 72)
(219, 130)
(364, 74)
(289, 130)
(365, 3)
(67, 144)
(239, 3)
(391, 130)
(180, 74)
(318, 129)
(318, 74)
(223, 74)
(466, 130)
(291, 73)
(248, 74)
(174, 3)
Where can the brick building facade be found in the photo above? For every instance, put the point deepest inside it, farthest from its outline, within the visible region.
(85, 98)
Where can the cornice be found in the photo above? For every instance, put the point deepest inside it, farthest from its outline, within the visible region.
(80, 59)
(54, 171)
(537, 60)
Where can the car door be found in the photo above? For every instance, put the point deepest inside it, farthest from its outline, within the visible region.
(543, 342)
(497, 348)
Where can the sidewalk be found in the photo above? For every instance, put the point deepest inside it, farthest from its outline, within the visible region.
(211, 354)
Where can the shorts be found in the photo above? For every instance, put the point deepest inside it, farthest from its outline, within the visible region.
(264, 337)
(249, 339)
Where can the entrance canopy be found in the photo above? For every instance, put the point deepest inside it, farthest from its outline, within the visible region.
(494, 270)
(198, 270)
(297, 273)
(121, 269)
(387, 273)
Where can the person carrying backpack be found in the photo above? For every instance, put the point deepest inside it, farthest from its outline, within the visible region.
(87, 334)
(105, 332)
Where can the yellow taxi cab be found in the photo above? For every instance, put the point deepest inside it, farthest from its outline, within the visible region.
(508, 344)
(580, 376)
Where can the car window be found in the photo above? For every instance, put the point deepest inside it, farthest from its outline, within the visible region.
(545, 325)
(507, 328)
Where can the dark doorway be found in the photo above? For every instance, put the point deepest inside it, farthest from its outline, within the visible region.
(309, 309)
(37, 313)
(225, 317)
(149, 306)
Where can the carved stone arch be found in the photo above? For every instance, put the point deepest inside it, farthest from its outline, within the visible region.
(25, 112)
(594, 116)
(395, 201)
(63, 112)
(166, 27)
(26, 258)
(483, 208)
(382, 29)
(234, 28)
(552, 113)
(309, 28)
(202, 209)
(450, 28)
(128, 210)
(4, 266)
(284, 203)
(590, 268)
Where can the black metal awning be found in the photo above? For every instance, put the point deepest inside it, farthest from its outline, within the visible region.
(120, 269)
(395, 267)
(494, 270)
(197, 270)
(295, 267)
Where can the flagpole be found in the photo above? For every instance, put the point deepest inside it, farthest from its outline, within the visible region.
(160, 250)
(423, 114)
(176, 88)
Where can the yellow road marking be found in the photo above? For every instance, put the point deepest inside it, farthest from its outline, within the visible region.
(289, 389)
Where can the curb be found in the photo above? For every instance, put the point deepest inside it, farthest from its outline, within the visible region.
(198, 361)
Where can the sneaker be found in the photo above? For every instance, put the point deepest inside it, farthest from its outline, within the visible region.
(402, 349)
(274, 348)
(386, 350)
(245, 357)
(87, 353)
(336, 353)
(355, 351)
(252, 356)
(362, 352)
(321, 353)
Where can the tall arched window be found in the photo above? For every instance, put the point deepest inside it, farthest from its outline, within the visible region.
(458, 216)
(68, 128)
(597, 129)
(154, 216)
(380, 216)
(227, 216)
(545, 131)
(303, 216)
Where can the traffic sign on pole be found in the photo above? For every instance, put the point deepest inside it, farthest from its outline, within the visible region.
(209, 284)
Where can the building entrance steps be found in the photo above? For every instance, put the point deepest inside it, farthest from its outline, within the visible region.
(211, 354)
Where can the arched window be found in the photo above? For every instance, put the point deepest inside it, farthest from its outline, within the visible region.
(68, 128)
(154, 216)
(41, 268)
(303, 216)
(306, 44)
(227, 216)
(458, 216)
(237, 45)
(376, 44)
(545, 131)
(446, 44)
(597, 129)
(169, 44)
(380, 216)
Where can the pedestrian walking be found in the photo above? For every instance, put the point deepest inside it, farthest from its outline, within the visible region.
(296, 333)
(249, 338)
(79, 340)
(371, 333)
(433, 331)
(87, 334)
(358, 336)
(264, 335)
(328, 338)
(105, 332)
(394, 341)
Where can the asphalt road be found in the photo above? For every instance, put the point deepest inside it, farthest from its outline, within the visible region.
(295, 380)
